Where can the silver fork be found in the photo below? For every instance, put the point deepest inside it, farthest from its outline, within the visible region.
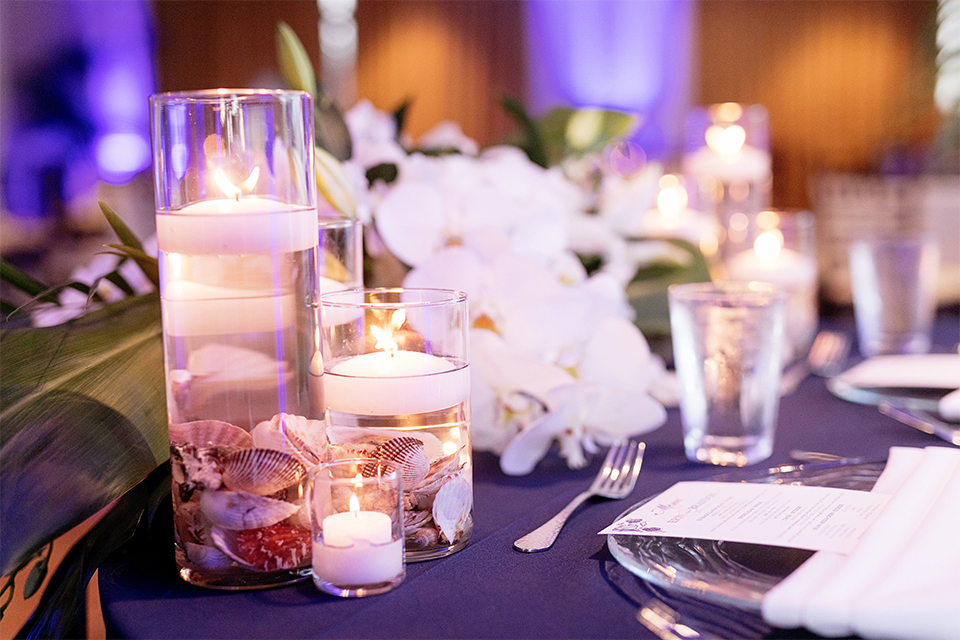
(615, 480)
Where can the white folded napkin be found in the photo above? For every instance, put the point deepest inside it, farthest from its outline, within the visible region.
(903, 578)
(927, 370)
(949, 406)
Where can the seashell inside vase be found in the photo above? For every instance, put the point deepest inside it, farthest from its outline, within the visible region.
(451, 508)
(236, 510)
(301, 437)
(275, 547)
(407, 454)
(205, 433)
(260, 471)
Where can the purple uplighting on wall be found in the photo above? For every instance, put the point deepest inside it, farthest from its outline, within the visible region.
(77, 77)
(630, 55)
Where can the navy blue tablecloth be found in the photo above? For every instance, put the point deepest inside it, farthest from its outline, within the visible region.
(488, 590)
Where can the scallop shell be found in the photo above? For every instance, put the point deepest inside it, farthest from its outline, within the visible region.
(209, 433)
(413, 520)
(236, 510)
(298, 436)
(408, 454)
(424, 537)
(451, 508)
(440, 471)
(260, 471)
(207, 557)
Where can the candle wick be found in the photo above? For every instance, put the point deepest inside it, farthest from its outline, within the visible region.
(237, 196)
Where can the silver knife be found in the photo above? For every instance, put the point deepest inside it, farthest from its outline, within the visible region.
(923, 421)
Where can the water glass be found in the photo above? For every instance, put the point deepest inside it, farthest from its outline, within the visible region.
(727, 342)
(894, 283)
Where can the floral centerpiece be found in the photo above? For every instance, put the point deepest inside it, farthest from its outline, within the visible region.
(543, 235)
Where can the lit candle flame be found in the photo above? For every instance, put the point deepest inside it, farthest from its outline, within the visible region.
(355, 506)
(767, 245)
(384, 336)
(671, 200)
(232, 190)
(726, 140)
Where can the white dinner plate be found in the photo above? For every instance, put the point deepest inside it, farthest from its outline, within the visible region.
(732, 573)
(917, 381)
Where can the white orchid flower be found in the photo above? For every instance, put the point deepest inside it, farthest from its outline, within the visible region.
(550, 361)
(437, 202)
(607, 400)
(448, 135)
(374, 135)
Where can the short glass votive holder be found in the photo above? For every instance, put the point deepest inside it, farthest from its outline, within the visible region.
(396, 384)
(356, 516)
(778, 246)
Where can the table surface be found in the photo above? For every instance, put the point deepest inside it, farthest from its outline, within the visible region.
(574, 590)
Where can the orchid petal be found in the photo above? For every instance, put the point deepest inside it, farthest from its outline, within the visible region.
(451, 268)
(411, 221)
(607, 413)
(616, 355)
(529, 446)
(509, 371)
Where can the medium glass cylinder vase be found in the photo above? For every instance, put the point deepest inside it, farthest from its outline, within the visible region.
(397, 387)
(237, 229)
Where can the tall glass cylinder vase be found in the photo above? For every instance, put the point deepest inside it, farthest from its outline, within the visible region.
(727, 160)
(397, 387)
(237, 233)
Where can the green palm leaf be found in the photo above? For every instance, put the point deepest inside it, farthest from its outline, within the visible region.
(83, 420)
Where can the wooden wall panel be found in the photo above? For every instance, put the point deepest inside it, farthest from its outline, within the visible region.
(843, 80)
(452, 58)
(205, 44)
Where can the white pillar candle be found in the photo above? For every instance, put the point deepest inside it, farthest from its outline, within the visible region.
(361, 564)
(357, 549)
(256, 225)
(787, 268)
(747, 164)
(395, 383)
(792, 271)
(194, 309)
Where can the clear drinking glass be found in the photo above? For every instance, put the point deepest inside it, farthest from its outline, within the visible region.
(396, 382)
(237, 234)
(356, 509)
(727, 343)
(894, 283)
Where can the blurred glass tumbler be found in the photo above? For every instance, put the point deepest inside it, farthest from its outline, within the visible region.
(727, 342)
(894, 284)
(237, 233)
(396, 381)
(356, 513)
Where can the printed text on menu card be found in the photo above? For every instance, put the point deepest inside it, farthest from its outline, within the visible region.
(801, 517)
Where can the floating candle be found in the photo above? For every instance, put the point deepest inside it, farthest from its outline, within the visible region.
(357, 548)
(395, 383)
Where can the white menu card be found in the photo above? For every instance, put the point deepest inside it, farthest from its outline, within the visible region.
(800, 517)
